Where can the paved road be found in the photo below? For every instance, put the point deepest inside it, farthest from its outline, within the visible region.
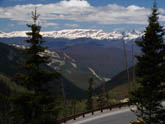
(123, 116)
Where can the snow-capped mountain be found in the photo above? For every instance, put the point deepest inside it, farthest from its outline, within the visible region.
(79, 33)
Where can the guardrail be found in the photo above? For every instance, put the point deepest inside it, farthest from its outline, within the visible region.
(110, 107)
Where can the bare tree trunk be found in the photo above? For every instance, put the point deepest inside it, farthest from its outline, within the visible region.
(126, 65)
(103, 87)
(133, 64)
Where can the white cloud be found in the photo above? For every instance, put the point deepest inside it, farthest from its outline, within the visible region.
(47, 24)
(81, 11)
(75, 3)
(72, 25)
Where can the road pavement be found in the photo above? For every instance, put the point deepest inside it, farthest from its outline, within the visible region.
(116, 116)
(120, 118)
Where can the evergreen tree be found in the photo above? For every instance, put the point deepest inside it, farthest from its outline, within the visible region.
(90, 95)
(4, 106)
(102, 96)
(107, 98)
(73, 102)
(148, 97)
(101, 100)
(38, 105)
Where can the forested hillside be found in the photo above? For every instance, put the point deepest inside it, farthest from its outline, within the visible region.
(11, 61)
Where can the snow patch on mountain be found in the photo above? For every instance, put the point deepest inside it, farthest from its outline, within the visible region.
(68, 57)
(74, 65)
(53, 61)
(79, 33)
(106, 79)
(94, 73)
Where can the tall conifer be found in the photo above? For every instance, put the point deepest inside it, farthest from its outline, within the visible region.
(37, 106)
(149, 72)
(90, 95)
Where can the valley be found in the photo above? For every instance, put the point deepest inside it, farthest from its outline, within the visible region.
(77, 60)
(82, 61)
(83, 53)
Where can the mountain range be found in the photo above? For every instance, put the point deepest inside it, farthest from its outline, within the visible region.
(83, 53)
(80, 33)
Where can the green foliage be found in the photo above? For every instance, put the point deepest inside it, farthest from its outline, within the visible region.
(37, 106)
(149, 95)
(71, 107)
(101, 100)
(4, 93)
(10, 86)
(6, 89)
(102, 96)
(10, 59)
(90, 95)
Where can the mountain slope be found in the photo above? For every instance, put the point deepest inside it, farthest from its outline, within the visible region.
(71, 69)
(11, 60)
(106, 62)
(119, 80)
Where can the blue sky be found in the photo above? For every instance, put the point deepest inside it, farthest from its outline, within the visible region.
(109, 15)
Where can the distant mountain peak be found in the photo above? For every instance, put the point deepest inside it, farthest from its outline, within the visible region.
(80, 33)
